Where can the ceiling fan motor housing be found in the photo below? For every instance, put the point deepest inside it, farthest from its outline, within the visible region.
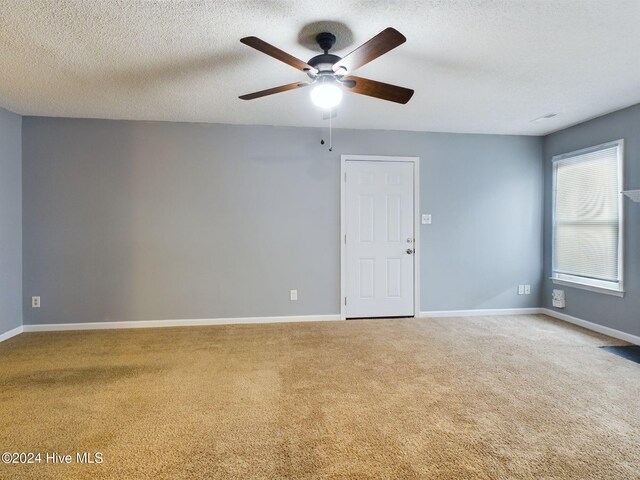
(324, 62)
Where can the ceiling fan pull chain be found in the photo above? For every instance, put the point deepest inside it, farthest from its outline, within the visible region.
(330, 139)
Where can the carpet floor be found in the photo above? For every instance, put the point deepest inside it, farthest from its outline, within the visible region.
(524, 397)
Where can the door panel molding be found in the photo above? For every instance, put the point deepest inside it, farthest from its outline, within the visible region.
(416, 223)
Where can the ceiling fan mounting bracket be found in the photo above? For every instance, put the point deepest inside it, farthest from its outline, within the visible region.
(326, 41)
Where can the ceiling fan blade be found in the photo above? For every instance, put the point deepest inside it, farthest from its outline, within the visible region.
(264, 47)
(271, 91)
(382, 43)
(384, 91)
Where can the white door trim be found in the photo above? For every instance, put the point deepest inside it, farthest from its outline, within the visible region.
(416, 224)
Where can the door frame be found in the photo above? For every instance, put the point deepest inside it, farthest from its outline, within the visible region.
(416, 224)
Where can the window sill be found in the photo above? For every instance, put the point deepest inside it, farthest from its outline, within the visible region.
(591, 288)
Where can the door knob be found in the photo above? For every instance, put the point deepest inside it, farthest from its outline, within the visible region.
(409, 251)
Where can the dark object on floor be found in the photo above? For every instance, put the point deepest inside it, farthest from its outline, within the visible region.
(630, 352)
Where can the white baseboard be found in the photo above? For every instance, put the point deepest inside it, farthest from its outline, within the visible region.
(176, 323)
(612, 332)
(313, 318)
(480, 312)
(11, 333)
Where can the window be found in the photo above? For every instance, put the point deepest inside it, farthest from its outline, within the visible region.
(587, 218)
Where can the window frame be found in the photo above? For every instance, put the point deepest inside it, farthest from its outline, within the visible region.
(600, 286)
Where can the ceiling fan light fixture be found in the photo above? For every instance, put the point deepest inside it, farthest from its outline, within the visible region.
(326, 94)
(331, 75)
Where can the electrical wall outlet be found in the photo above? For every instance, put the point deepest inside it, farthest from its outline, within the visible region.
(35, 302)
(426, 219)
(527, 289)
(293, 295)
(520, 289)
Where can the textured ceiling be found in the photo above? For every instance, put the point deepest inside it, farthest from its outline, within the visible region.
(477, 66)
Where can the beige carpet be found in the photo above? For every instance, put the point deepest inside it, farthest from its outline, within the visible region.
(450, 398)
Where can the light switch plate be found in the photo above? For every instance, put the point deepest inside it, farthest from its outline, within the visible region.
(426, 219)
(293, 295)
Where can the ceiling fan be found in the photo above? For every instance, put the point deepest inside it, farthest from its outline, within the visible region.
(330, 75)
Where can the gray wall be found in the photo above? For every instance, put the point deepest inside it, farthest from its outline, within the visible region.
(10, 221)
(141, 220)
(618, 313)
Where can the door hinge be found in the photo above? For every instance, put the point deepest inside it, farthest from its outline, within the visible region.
(345, 239)
(345, 177)
(345, 301)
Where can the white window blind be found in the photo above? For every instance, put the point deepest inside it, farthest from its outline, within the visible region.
(587, 227)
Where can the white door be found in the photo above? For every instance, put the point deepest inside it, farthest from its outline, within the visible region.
(379, 222)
